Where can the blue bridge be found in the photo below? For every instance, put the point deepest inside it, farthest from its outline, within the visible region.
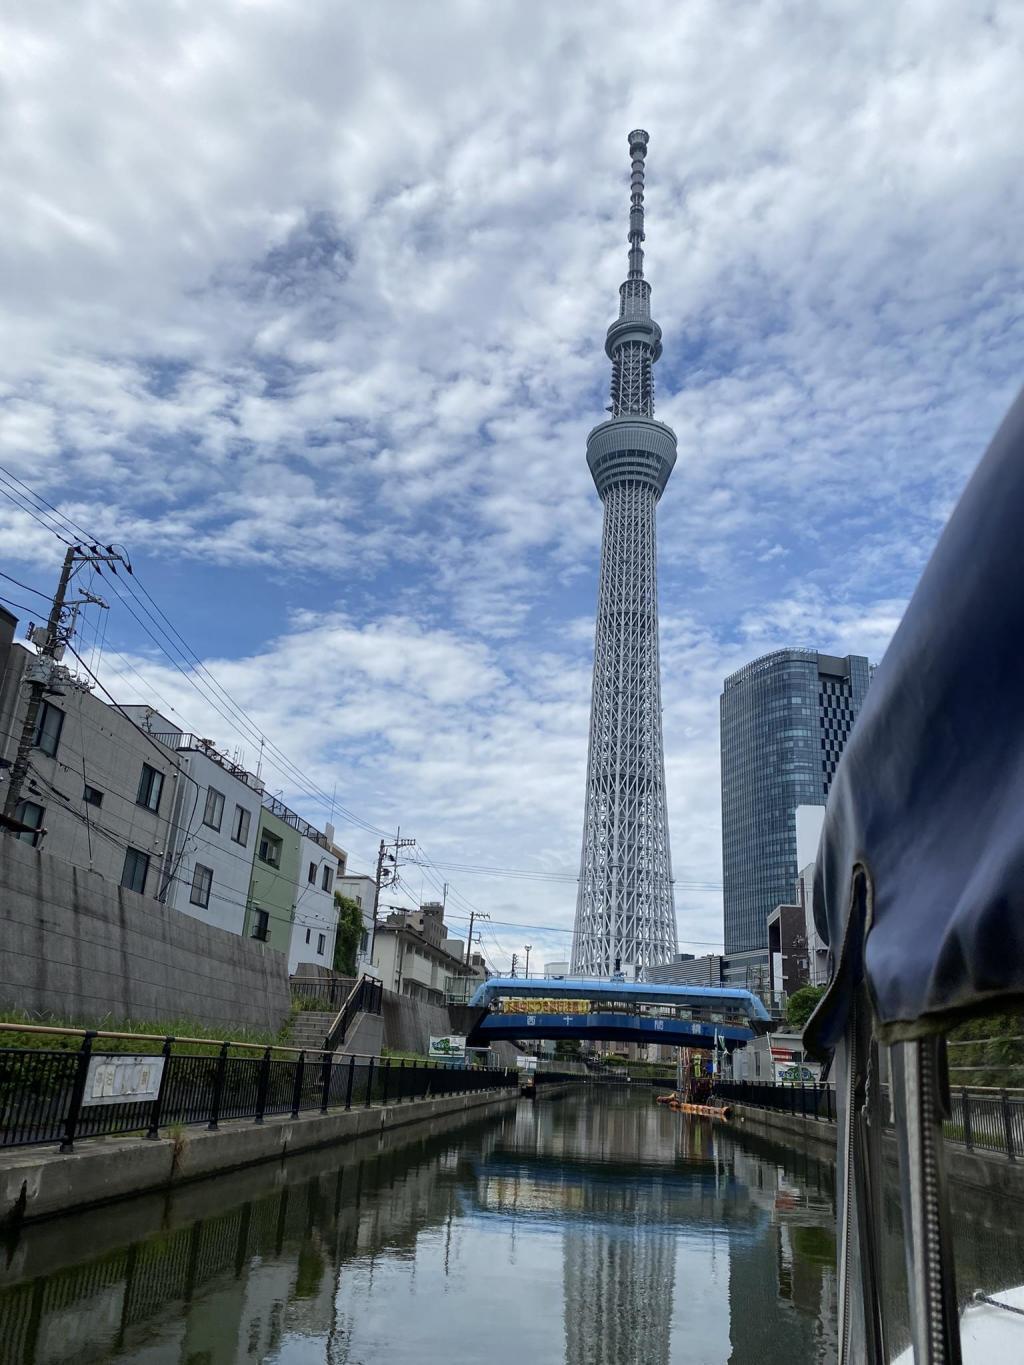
(681, 1016)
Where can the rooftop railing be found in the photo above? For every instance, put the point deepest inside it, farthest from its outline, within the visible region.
(296, 822)
(179, 741)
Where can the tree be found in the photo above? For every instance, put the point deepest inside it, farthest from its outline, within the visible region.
(800, 1005)
(349, 935)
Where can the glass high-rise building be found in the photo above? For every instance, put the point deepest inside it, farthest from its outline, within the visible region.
(785, 719)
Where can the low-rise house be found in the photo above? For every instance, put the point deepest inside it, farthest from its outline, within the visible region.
(415, 957)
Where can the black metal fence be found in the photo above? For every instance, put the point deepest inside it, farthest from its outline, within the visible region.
(987, 1120)
(980, 1120)
(50, 1096)
(321, 992)
(810, 1101)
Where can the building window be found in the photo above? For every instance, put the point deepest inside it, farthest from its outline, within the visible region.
(327, 878)
(308, 932)
(151, 784)
(30, 813)
(261, 925)
(92, 796)
(202, 880)
(48, 728)
(320, 944)
(240, 826)
(136, 868)
(270, 849)
(311, 875)
(213, 815)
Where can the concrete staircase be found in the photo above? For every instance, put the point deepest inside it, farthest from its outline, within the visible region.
(365, 1034)
(310, 1028)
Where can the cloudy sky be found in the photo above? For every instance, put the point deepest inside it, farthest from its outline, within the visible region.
(305, 302)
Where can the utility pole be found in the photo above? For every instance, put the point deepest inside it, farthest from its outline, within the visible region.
(515, 964)
(528, 946)
(386, 855)
(473, 916)
(40, 672)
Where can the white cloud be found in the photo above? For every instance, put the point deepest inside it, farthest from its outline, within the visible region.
(321, 301)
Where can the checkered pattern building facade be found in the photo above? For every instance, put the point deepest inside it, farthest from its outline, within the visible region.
(785, 721)
(836, 715)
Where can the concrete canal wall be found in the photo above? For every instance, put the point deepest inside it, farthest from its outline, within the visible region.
(39, 1183)
(409, 1025)
(989, 1171)
(76, 946)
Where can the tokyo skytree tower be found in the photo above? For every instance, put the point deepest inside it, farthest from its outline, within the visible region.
(625, 906)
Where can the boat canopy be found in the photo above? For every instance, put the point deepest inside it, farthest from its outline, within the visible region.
(919, 884)
(582, 988)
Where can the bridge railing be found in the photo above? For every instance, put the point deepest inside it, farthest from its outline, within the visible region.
(63, 1092)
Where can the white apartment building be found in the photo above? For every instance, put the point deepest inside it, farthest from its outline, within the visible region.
(315, 918)
(809, 822)
(415, 958)
(208, 865)
(362, 890)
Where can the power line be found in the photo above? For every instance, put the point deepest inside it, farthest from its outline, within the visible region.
(190, 652)
(18, 606)
(565, 878)
(20, 584)
(20, 503)
(239, 718)
(41, 500)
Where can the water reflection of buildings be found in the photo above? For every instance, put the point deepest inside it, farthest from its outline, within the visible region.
(626, 1183)
(232, 1283)
(795, 1263)
(622, 1185)
(666, 1230)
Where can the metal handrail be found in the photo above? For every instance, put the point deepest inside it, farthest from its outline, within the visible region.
(335, 1035)
(340, 1021)
(151, 1037)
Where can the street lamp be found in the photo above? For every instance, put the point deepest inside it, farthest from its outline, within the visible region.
(527, 946)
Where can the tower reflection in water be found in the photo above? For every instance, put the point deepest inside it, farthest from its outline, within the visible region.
(677, 1243)
(594, 1230)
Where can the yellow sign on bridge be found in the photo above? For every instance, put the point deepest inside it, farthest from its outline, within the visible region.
(543, 1005)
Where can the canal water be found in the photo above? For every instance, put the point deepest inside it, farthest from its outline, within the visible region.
(591, 1229)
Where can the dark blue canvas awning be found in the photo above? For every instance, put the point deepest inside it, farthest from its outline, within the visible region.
(920, 875)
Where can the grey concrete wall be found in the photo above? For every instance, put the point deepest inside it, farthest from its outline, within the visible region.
(37, 1183)
(977, 1170)
(409, 1024)
(74, 944)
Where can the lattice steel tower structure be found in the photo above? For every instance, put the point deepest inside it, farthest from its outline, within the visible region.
(625, 907)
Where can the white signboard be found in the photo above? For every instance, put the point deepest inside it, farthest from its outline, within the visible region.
(453, 1046)
(123, 1080)
(526, 1063)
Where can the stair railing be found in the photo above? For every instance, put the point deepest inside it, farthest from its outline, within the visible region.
(366, 997)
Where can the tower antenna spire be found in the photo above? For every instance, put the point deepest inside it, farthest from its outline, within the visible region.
(638, 141)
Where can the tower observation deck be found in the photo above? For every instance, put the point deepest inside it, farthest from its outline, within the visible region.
(625, 911)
